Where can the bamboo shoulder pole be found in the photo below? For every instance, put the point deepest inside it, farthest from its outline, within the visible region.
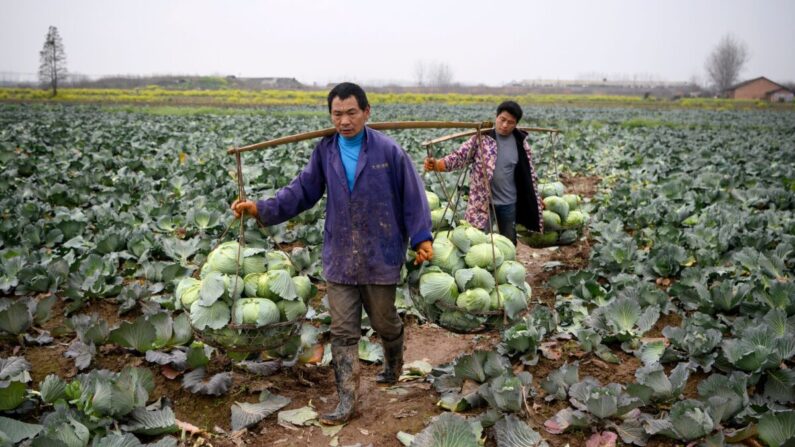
(377, 126)
(469, 133)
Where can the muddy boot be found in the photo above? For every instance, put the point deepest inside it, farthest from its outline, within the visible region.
(345, 360)
(393, 361)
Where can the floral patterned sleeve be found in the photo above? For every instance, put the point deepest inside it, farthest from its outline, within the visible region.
(460, 157)
(533, 174)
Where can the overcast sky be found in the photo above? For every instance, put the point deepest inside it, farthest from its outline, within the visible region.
(378, 41)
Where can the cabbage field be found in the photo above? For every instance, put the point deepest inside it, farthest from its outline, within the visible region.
(669, 319)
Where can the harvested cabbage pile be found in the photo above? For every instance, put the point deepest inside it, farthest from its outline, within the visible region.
(564, 218)
(265, 290)
(470, 282)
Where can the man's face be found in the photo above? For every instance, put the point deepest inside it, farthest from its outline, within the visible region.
(505, 123)
(347, 117)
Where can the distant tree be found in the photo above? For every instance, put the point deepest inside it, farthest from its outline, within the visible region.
(726, 62)
(52, 61)
(440, 75)
(419, 73)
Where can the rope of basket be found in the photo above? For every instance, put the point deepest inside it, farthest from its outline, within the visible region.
(250, 337)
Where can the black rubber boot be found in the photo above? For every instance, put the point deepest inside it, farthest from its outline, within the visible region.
(393, 361)
(345, 360)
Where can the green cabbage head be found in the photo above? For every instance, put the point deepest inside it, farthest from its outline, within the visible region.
(290, 310)
(304, 288)
(433, 200)
(279, 260)
(484, 256)
(254, 264)
(188, 291)
(276, 285)
(475, 277)
(511, 272)
(474, 300)
(250, 284)
(259, 311)
(512, 298)
(446, 255)
(225, 258)
(436, 285)
(506, 246)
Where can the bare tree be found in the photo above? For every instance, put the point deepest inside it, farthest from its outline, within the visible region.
(52, 60)
(726, 62)
(419, 73)
(440, 75)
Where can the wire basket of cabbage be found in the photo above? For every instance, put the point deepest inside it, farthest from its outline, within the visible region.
(564, 218)
(442, 215)
(473, 283)
(245, 299)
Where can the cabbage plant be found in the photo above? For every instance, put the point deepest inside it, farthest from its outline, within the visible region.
(507, 392)
(254, 264)
(187, 292)
(688, 420)
(653, 385)
(510, 298)
(622, 319)
(505, 245)
(693, 342)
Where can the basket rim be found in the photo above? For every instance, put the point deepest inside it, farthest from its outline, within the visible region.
(413, 289)
(484, 326)
(209, 335)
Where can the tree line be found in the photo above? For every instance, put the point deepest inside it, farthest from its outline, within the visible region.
(723, 65)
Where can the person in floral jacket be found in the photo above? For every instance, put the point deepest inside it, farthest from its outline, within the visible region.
(502, 169)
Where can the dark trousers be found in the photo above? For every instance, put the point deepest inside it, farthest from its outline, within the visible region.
(345, 307)
(505, 215)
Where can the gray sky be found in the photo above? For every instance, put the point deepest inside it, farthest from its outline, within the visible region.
(378, 41)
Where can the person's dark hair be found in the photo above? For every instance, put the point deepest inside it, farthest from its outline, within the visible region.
(345, 91)
(511, 107)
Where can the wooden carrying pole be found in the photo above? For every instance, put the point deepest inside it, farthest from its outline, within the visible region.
(377, 126)
(468, 133)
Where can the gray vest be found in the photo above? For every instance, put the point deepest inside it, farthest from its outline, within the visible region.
(503, 184)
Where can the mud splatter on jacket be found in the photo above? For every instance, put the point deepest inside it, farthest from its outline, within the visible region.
(367, 229)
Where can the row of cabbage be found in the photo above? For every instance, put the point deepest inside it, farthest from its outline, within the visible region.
(86, 237)
(696, 225)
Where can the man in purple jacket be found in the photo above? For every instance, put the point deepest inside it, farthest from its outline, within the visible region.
(375, 206)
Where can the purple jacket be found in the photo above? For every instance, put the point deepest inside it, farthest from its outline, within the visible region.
(367, 229)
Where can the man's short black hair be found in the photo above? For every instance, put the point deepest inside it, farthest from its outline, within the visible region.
(511, 107)
(345, 91)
